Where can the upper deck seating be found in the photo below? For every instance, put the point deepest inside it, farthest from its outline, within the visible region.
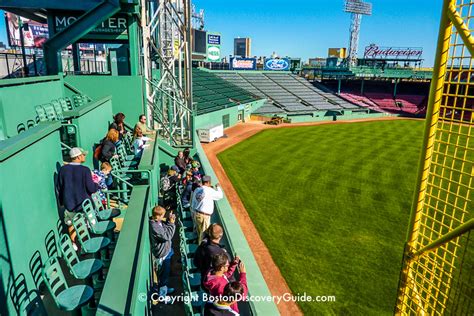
(211, 93)
(286, 92)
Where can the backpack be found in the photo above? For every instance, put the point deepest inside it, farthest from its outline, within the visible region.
(165, 183)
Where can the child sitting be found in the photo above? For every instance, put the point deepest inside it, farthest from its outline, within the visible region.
(139, 142)
(100, 177)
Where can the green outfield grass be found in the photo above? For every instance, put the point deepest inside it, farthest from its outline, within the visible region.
(332, 203)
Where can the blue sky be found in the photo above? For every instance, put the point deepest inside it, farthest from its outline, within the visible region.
(3, 30)
(307, 28)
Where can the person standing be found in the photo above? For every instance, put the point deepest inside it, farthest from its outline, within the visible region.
(75, 185)
(162, 233)
(222, 271)
(203, 205)
(209, 247)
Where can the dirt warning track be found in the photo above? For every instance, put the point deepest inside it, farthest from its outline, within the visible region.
(275, 281)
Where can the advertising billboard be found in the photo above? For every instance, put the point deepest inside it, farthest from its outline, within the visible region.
(337, 52)
(113, 26)
(277, 64)
(214, 39)
(375, 51)
(238, 63)
(199, 44)
(34, 33)
(213, 49)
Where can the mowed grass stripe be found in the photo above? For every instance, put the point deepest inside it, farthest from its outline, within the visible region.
(332, 203)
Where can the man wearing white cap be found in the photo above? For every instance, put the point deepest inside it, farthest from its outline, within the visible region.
(75, 184)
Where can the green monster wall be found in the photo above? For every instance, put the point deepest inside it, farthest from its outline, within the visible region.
(18, 98)
(215, 118)
(28, 209)
(126, 91)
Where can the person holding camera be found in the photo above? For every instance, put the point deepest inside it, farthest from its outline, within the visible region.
(222, 271)
(203, 205)
(209, 247)
(162, 233)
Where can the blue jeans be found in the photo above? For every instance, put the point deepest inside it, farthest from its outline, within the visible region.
(165, 269)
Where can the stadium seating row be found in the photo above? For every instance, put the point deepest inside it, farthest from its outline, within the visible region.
(384, 102)
(286, 92)
(211, 93)
(95, 235)
(54, 110)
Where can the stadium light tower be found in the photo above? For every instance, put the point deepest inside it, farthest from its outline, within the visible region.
(357, 8)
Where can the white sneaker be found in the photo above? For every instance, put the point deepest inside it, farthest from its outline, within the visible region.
(74, 246)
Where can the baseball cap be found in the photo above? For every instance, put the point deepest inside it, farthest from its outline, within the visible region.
(175, 168)
(206, 179)
(76, 151)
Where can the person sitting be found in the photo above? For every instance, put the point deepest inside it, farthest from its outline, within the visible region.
(209, 247)
(233, 292)
(180, 162)
(187, 156)
(217, 279)
(195, 169)
(188, 187)
(119, 124)
(101, 177)
(139, 142)
(75, 184)
(108, 145)
(141, 124)
(162, 233)
(174, 177)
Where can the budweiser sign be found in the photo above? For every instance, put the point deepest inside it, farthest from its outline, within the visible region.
(374, 51)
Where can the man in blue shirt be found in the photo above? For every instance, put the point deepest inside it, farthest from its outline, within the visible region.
(75, 184)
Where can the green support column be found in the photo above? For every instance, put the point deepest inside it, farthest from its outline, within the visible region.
(133, 41)
(76, 57)
(395, 89)
(339, 86)
(362, 86)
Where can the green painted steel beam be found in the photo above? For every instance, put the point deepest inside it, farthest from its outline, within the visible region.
(74, 32)
(29, 14)
(133, 34)
(23, 81)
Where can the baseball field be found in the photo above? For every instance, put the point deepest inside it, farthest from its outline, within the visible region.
(332, 202)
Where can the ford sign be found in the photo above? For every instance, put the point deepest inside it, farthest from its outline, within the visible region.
(277, 64)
